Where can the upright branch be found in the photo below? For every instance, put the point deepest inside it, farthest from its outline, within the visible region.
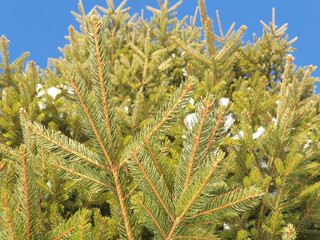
(26, 192)
(101, 76)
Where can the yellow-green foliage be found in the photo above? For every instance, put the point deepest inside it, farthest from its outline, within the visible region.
(154, 133)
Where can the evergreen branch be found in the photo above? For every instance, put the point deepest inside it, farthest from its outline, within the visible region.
(55, 194)
(86, 110)
(67, 187)
(123, 207)
(203, 14)
(265, 25)
(263, 137)
(26, 192)
(196, 144)
(143, 82)
(44, 187)
(212, 54)
(285, 128)
(101, 231)
(71, 30)
(188, 87)
(312, 153)
(137, 106)
(153, 218)
(219, 22)
(204, 183)
(137, 50)
(67, 232)
(154, 10)
(146, 59)
(239, 160)
(252, 196)
(18, 62)
(277, 206)
(25, 128)
(286, 101)
(131, 191)
(101, 77)
(290, 166)
(298, 226)
(2, 224)
(158, 166)
(230, 30)
(175, 6)
(224, 51)
(182, 22)
(4, 149)
(9, 218)
(83, 176)
(57, 84)
(310, 68)
(81, 9)
(289, 205)
(156, 100)
(219, 122)
(193, 237)
(123, 119)
(250, 143)
(270, 204)
(151, 185)
(62, 146)
(33, 77)
(311, 99)
(24, 92)
(236, 95)
(183, 124)
(235, 56)
(174, 226)
(6, 60)
(272, 102)
(285, 74)
(120, 7)
(190, 52)
(82, 227)
(258, 98)
(193, 192)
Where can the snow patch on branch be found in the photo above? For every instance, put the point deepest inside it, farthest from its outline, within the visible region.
(224, 101)
(238, 136)
(226, 226)
(41, 105)
(259, 132)
(229, 121)
(190, 118)
(274, 120)
(53, 91)
(307, 144)
(184, 72)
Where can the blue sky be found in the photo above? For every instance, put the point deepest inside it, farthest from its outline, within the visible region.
(39, 26)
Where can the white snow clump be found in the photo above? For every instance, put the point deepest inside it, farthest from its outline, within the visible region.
(259, 132)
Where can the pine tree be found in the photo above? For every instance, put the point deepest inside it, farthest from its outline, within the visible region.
(156, 134)
(26, 89)
(13, 94)
(272, 150)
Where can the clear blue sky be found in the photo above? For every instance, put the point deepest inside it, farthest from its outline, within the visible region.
(39, 26)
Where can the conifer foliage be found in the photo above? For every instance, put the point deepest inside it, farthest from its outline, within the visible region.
(156, 134)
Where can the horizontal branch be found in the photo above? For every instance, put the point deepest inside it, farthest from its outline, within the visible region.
(83, 176)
